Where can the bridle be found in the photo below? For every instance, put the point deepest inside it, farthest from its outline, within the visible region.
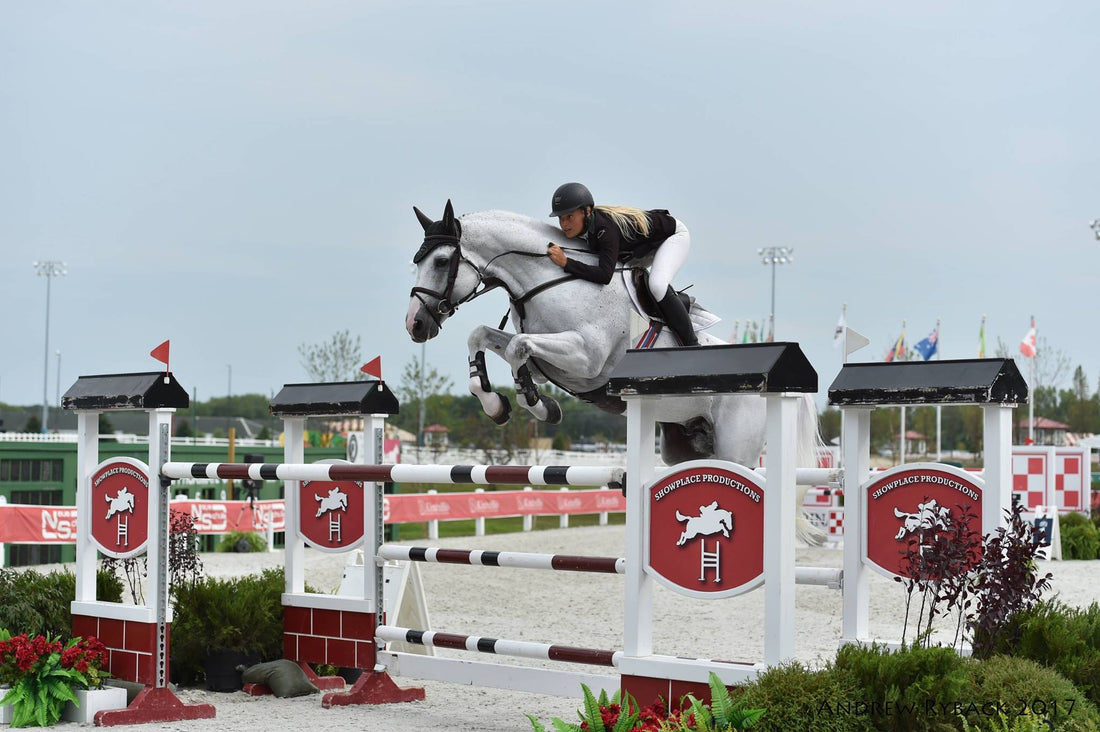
(446, 305)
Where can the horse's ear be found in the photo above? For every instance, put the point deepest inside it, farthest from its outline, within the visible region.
(424, 220)
(448, 216)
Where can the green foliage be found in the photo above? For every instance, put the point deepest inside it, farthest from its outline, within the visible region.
(254, 541)
(798, 698)
(231, 614)
(908, 678)
(1038, 694)
(723, 713)
(1080, 538)
(40, 604)
(1066, 639)
(37, 693)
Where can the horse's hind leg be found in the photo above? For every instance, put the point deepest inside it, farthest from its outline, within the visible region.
(495, 404)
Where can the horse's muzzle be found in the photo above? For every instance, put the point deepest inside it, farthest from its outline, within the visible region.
(421, 325)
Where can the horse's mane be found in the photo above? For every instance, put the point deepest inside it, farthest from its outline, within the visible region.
(517, 231)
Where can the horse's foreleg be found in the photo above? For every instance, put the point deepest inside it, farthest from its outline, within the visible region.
(495, 404)
(565, 351)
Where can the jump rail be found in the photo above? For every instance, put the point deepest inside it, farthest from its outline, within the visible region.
(499, 646)
(823, 576)
(521, 560)
(578, 475)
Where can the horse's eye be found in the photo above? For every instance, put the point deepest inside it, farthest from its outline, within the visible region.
(441, 262)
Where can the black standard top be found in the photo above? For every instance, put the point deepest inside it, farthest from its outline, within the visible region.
(608, 242)
(961, 381)
(334, 399)
(761, 368)
(146, 390)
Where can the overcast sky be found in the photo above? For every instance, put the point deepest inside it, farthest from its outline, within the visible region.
(239, 177)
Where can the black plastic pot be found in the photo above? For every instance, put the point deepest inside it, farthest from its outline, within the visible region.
(221, 669)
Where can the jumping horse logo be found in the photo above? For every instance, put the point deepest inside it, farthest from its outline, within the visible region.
(928, 516)
(336, 500)
(711, 520)
(123, 502)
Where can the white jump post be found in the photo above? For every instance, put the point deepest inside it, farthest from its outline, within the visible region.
(779, 373)
(123, 511)
(871, 499)
(328, 629)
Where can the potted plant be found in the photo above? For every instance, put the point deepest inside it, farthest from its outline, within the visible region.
(87, 656)
(224, 623)
(42, 675)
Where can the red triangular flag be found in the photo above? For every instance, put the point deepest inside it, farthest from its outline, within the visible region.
(373, 367)
(160, 353)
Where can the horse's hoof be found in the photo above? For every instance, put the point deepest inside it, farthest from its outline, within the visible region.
(553, 411)
(505, 413)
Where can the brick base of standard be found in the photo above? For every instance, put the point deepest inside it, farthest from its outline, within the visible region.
(646, 690)
(340, 638)
(131, 646)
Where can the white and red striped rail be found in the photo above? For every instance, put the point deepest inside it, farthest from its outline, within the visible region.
(499, 646)
(577, 475)
(521, 560)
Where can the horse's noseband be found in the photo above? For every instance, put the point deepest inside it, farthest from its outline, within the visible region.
(444, 305)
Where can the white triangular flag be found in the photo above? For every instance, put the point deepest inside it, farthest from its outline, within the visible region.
(853, 342)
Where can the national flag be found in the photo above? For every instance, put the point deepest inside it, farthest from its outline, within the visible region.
(749, 329)
(1027, 345)
(927, 347)
(838, 334)
(160, 353)
(897, 353)
(373, 367)
(981, 340)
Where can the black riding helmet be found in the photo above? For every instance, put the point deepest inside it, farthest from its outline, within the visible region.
(569, 197)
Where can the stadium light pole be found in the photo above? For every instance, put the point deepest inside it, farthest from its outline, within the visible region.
(49, 270)
(774, 256)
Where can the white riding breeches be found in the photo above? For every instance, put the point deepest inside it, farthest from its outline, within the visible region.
(667, 260)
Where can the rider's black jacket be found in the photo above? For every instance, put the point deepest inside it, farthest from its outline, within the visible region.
(605, 238)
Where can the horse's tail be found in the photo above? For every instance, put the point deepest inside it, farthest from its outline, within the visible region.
(809, 446)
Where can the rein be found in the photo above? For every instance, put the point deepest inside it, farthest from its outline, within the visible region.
(445, 306)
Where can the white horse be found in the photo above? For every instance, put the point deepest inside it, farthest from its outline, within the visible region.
(572, 333)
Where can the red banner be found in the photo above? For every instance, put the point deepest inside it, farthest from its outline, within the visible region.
(23, 524)
(398, 508)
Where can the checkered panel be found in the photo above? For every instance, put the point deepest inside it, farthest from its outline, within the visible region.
(1029, 479)
(1069, 482)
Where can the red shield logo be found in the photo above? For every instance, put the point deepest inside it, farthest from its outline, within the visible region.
(706, 529)
(120, 507)
(908, 506)
(330, 513)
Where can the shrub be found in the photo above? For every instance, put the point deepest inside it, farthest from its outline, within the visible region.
(242, 541)
(40, 604)
(901, 684)
(184, 563)
(231, 614)
(1007, 690)
(798, 698)
(1080, 539)
(1007, 582)
(1067, 639)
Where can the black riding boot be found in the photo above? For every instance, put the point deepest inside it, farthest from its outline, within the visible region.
(676, 316)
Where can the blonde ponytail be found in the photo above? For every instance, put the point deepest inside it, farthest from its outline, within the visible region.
(632, 222)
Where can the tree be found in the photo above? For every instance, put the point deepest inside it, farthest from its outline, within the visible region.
(337, 359)
(33, 424)
(183, 428)
(416, 390)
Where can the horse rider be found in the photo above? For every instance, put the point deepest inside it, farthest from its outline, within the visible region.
(622, 233)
